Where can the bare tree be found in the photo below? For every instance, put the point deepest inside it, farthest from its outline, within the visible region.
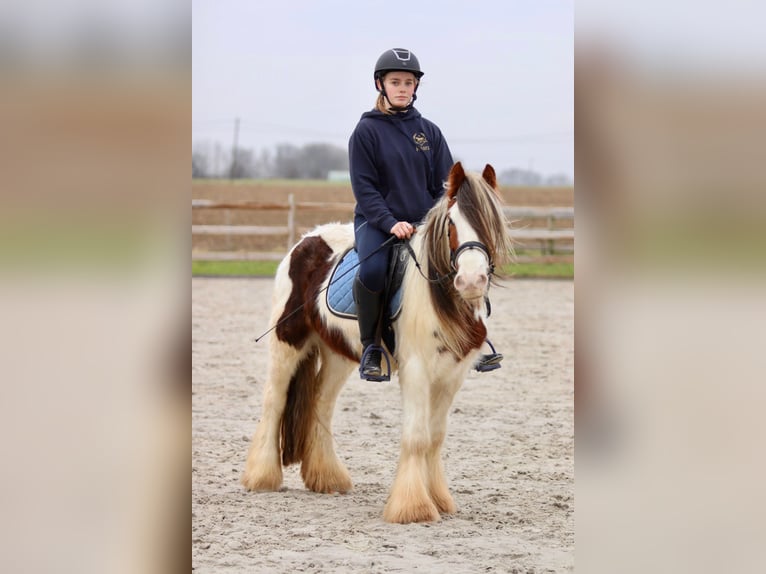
(312, 161)
(287, 162)
(244, 166)
(199, 165)
(202, 159)
(516, 176)
(558, 180)
(319, 158)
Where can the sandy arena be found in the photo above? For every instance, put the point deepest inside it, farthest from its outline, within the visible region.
(509, 451)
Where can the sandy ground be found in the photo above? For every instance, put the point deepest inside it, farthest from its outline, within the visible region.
(509, 452)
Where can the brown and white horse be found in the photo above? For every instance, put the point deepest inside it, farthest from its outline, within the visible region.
(439, 331)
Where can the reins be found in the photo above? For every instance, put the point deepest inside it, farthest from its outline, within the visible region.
(439, 279)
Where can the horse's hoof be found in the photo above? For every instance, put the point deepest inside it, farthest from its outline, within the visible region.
(325, 485)
(445, 505)
(259, 482)
(425, 512)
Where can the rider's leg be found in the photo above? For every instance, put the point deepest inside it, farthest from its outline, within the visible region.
(368, 294)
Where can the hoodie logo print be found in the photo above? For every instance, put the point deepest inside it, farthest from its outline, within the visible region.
(421, 141)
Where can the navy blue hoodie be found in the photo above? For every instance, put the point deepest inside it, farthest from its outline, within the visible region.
(398, 165)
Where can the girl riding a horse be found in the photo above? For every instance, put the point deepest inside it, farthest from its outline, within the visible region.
(399, 162)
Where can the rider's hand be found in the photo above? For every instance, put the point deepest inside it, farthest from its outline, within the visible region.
(403, 230)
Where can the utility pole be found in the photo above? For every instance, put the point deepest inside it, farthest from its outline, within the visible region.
(232, 171)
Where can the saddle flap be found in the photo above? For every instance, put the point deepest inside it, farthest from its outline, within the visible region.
(340, 296)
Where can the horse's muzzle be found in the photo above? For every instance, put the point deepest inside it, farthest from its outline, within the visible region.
(471, 285)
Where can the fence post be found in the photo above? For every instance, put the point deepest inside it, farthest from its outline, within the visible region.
(290, 222)
(549, 249)
(227, 222)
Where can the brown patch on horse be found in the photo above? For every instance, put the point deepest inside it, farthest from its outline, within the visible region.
(453, 238)
(451, 310)
(299, 416)
(310, 263)
(477, 334)
(335, 339)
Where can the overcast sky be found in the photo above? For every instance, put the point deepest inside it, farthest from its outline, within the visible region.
(498, 73)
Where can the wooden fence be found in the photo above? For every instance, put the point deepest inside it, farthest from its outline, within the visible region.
(549, 239)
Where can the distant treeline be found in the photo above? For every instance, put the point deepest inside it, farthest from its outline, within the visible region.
(312, 161)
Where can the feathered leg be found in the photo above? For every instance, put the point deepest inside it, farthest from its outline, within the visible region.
(441, 400)
(263, 470)
(409, 500)
(321, 469)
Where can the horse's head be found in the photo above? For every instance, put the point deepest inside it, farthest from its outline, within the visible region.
(478, 237)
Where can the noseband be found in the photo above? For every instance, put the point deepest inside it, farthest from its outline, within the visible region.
(456, 251)
(468, 245)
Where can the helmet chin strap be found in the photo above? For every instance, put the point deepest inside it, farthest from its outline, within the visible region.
(398, 108)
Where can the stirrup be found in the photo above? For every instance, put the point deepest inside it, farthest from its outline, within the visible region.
(490, 361)
(375, 378)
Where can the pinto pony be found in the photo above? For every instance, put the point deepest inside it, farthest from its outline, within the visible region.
(439, 331)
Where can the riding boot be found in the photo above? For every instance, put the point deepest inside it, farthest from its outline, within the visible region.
(368, 308)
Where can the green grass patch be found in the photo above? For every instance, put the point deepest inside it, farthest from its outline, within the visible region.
(542, 270)
(235, 268)
(290, 183)
(74, 244)
(268, 268)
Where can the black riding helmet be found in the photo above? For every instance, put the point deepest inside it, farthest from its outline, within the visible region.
(396, 60)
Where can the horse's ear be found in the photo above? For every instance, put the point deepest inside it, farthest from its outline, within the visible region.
(489, 176)
(455, 180)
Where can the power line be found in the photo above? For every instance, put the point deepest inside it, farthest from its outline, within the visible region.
(249, 125)
(513, 139)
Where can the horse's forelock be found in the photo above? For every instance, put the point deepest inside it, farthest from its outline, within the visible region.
(479, 203)
(437, 248)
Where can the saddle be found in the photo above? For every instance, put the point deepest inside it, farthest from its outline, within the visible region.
(340, 298)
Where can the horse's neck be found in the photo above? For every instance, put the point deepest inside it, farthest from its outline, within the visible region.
(429, 307)
(418, 317)
(417, 257)
(417, 274)
(418, 246)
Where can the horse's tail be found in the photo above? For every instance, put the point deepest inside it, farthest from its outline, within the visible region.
(299, 416)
